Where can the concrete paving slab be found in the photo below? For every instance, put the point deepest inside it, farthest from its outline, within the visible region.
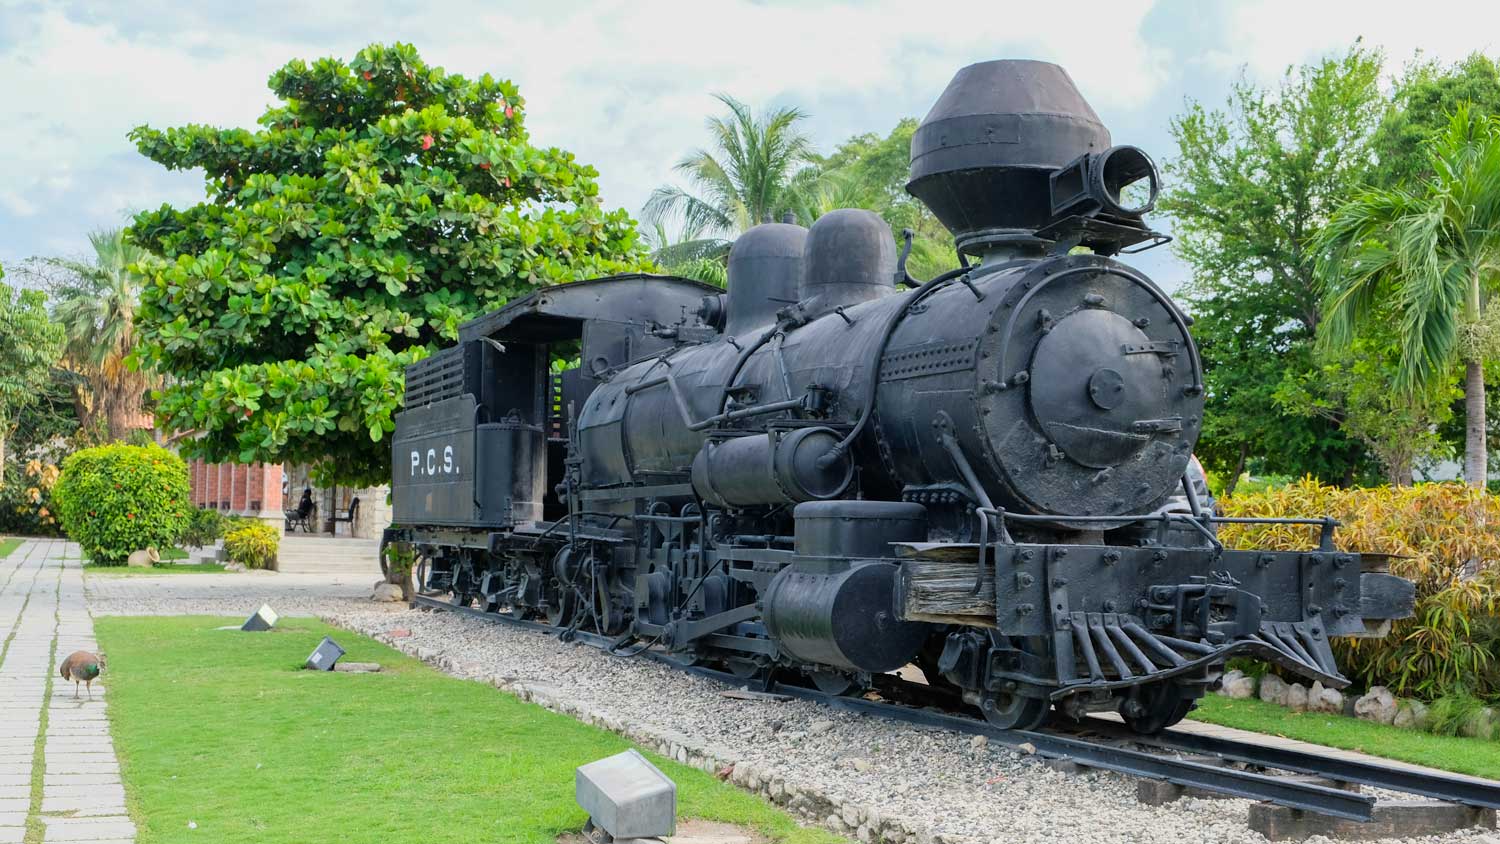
(83, 779)
(86, 829)
(81, 786)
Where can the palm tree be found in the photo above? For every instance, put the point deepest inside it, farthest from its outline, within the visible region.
(1431, 253)
(689, 254)
(96, 303)
(747, 178)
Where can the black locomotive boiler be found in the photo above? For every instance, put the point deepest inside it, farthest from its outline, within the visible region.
(821, 475)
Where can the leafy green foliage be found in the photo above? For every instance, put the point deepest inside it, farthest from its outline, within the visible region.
(1248, 190)
(95, 301)
(29, 344)
(381, 205)
(870, 171)
(1353, 388)
(1426, 258)
(26, 504)
(205, 525)
(253, 544)
(1444, 540)
(1452, 712)
(1427, 93)
(745, 179)
(116, 499)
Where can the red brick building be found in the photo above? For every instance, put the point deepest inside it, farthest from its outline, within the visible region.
(253, 490)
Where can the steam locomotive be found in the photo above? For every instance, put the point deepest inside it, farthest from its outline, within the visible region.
(820, 475)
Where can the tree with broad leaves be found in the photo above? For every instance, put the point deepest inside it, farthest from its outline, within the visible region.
(383, 203)
(1427, 93)
(1249, 189)
(30, 343)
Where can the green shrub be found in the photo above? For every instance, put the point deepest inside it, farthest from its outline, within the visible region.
(1451, 712)
(203, 527)
(1444, 538)
(253, 545)
(115, 499)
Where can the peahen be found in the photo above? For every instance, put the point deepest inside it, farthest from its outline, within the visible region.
(82, 667)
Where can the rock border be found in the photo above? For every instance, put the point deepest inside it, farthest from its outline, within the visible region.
(1378, 705)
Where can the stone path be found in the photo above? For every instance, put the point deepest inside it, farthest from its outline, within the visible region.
(78, 796)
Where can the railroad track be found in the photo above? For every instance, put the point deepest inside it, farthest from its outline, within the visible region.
(1190, 760)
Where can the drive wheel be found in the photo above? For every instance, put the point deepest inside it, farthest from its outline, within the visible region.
(832, 682)
(1015, 712)
(1154, 707)
(560, 610)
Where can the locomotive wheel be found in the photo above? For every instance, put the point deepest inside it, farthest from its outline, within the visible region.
(560, 612)
(1014, 712)
(1154, 707)
(610, 622)
(461, 599)
(831, 682)
(742, 668)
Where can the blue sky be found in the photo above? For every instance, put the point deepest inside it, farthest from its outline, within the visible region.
(625, 83)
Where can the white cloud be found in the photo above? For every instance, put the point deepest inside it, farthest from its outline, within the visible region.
(1274, 34)
(622, 83)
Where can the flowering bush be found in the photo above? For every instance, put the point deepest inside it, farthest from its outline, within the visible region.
(115, 499)
(1446, 538)
(26, 505)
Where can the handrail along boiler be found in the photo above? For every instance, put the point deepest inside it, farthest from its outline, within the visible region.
(820, 474)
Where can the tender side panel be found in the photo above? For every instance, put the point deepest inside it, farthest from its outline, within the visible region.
(433, 468)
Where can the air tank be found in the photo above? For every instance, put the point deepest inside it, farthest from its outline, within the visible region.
(851, 258)
(983, 158)
(765, 265)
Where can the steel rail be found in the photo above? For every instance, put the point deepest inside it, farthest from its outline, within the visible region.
(1245, 784)
(1470, 791)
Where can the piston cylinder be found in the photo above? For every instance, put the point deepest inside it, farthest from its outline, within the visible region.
(843, 617)
(835, 610)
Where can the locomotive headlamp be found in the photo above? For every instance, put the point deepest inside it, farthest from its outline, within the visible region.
(1121, 181)
(1125, 181)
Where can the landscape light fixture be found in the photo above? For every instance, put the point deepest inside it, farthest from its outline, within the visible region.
(264, 619)
(626, 797)
(325, 656)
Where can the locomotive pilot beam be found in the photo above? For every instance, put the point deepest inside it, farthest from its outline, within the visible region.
(817, 473)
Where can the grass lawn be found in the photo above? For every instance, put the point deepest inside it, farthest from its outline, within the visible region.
(172, 568)
(9, 544)
(1451, 753)
(220, 728)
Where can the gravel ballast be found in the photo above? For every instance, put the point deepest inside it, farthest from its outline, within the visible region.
(866, 778)
(871, 779)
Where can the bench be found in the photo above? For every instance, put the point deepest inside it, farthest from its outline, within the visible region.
(302, 516)
(347, 517)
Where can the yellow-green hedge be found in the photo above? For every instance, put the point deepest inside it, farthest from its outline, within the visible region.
(253, 545)
(1448, 539)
